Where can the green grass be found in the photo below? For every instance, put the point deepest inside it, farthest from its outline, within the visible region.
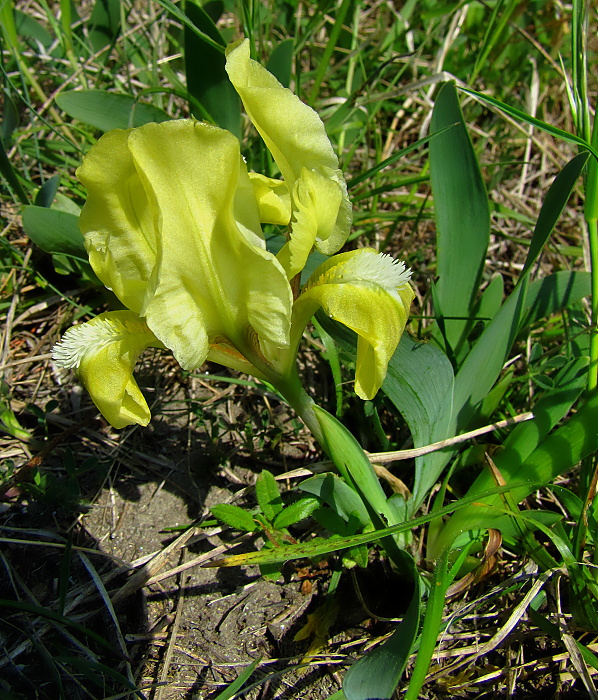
(466, 137)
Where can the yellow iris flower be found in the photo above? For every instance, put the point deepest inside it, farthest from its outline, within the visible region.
(172, 225)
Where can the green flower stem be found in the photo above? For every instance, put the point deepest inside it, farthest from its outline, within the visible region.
(292, 390)
(593, 368)
(591, 216)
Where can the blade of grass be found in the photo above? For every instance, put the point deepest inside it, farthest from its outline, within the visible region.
(398, 155)
(231, 690)
(108, 603)
(182, 17)
(10, 176)
(483, 364)
(495, 27)
(528, 119)
(431, 626)
(61, 619)
(559, 452)
(324, 63)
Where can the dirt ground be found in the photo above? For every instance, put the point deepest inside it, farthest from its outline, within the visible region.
(187, 630)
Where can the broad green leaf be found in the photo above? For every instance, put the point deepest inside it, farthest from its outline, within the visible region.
(462, 218)
(30, 28)
(296, 512)
(214, 9)
(108, 110)
(419, 383)
(47, 191)
(377, 674)
(343, 500)
(238, 518)
(268, 495)
(211, 92)
(57, 232)
(104, 24)
(280, 63)
(554, 293)
(353, 464)
(54, 231)
(550, 408)
(357, 470)
(553, 205)
(491, 299)
(64, 203)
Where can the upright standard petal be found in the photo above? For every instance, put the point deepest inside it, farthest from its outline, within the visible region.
(292, 131)
(273, 198)
(369, 293)
(103, 352)
(116, 220)
(318, 197)
(213, 277)
(296, 137)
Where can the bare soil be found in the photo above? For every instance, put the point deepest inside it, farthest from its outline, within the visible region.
(187, 634)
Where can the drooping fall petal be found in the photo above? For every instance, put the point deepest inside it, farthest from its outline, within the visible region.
(369, 293)
(103, 352)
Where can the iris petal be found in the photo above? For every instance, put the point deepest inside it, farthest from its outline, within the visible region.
(369, 293)
(104, 352)
(302, 150)
(173, 227)
(116, 220)
(273, 198)
(214, 276)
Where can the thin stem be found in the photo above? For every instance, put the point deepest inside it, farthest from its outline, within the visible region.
(593, 368)
(591, 216)
(292, 390)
